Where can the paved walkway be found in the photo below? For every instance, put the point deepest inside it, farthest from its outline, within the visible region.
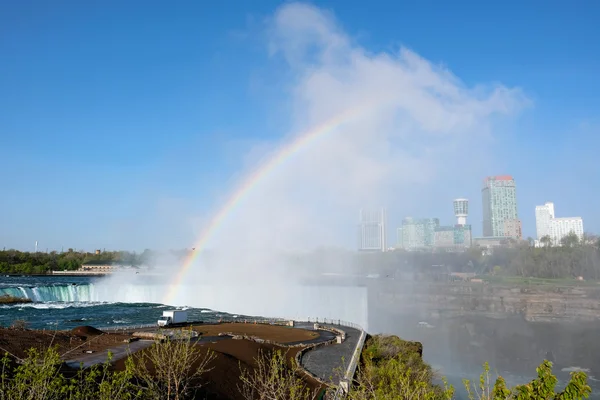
(87, 360)
(329, 363)
(123, 350)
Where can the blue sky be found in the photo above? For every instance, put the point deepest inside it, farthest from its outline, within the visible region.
(113, 112)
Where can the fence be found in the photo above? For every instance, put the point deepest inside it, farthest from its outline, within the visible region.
(344, 388)
(346, 383)
(127, 328)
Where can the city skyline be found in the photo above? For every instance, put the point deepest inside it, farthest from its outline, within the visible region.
(127, 127)
(500, 218)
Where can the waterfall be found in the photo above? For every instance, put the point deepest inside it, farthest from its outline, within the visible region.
(67, 293)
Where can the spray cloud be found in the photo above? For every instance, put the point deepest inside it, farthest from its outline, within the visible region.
(409, 121)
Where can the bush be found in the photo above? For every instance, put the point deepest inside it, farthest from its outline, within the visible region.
(543, 387)
(393, 369)
(273, 379)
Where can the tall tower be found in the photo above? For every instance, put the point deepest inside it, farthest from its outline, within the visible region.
(371, 230)
(543, 220)
(461, 211)
(500, 216)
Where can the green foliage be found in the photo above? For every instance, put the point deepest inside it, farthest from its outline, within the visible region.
(171, 369)
(541, 388)
(18, 262)
(390, 371)
(273, 378)
(567, 260)
(393, 369)
(39, 377)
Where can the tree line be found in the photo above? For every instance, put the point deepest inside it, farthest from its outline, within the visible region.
(19, 262)
(570, 259)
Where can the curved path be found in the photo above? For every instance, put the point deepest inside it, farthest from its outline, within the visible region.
(329, 363)
(86, 360)
(323, 362)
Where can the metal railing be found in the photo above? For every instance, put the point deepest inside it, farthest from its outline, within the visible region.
(126, 328)
(348, 378)
(330, 321)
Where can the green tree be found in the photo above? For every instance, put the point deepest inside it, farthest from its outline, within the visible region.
(272, 379)
(541, 388)
(172, 368)
(571, 240)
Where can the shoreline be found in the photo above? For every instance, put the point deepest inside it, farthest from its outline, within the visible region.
(8, 299)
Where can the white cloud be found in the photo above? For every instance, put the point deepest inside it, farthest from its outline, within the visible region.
(416, 130)
(415, 120)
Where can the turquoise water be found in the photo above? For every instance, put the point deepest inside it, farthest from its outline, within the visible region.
(67, 302)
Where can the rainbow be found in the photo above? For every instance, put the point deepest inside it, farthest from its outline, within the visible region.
(252, 181)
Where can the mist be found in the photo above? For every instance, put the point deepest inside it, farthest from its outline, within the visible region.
(412, 128)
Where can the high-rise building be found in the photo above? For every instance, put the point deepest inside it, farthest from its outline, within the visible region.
(461, 211)
(419, 233)
(547, 224)
(500, 215)
(543, 219)
(398, 237)
(371, 230)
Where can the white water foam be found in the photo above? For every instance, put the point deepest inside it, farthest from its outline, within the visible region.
(56, 305)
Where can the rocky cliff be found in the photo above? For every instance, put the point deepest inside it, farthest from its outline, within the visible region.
(542, 303)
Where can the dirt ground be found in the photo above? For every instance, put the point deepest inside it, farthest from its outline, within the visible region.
(220, 383)
(275, 333)
(18, 341)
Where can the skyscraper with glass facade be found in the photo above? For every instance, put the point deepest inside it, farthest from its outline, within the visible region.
(371, 230)
(500, 215)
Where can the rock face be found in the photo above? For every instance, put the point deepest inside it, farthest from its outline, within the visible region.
(532, 302)
(513, 328)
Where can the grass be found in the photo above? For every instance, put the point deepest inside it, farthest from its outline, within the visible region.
(521, 280)
(8, 299)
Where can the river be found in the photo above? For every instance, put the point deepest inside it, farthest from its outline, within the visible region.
(67, 302)
(455, 346)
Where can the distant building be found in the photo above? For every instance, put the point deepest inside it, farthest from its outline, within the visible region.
(500, 215)
(513, 229)
(461, 211)
(452, 237)
(398, 238)
(489, 242)
(543, 220)
(419, 233)
(99, 268)
(463, 236)
(371, 230)
(547, 224)
(444, 237)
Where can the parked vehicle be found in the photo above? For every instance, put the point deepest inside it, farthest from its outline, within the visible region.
(171, 317)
